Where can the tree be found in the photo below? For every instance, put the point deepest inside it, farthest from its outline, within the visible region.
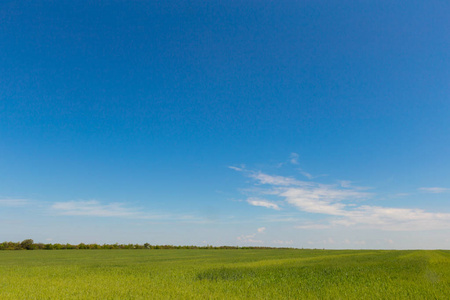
(27, 244)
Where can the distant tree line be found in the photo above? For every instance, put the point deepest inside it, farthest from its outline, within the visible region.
(29, 244)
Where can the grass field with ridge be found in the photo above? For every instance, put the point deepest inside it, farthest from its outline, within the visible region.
(225, 274)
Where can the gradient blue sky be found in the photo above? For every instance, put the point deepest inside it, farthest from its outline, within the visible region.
(319, 124)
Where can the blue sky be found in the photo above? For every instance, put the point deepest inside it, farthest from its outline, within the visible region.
(319, 124)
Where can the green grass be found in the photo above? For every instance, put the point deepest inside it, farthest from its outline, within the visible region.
(224, 274)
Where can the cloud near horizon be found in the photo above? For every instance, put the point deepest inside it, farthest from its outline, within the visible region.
(251, 238)
(341, 204)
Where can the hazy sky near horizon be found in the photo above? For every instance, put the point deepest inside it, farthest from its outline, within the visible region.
(319, 124)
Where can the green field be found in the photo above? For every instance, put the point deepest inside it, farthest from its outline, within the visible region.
(224, 274)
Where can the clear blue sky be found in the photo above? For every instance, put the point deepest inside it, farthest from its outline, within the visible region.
(320, 124)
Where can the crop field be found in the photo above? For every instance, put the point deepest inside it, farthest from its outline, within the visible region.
(224, 274)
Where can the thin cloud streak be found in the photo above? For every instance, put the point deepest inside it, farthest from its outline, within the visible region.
(269, 179)
(263, 203)
(13, 202)
(94, 208)
(307, 175)
(434, 190)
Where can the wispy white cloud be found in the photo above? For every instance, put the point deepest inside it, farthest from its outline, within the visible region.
(434, 190)
(13, 202)
(324, 199)
(93, 208)
(306, 174)
(294, 158)
(346, 183)
(341, 204)
(264, 179)
(276, 180)
(329, 202)
(250, 238)
(309, 175)
(394, 219)
(236, 168)
(263, 203)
